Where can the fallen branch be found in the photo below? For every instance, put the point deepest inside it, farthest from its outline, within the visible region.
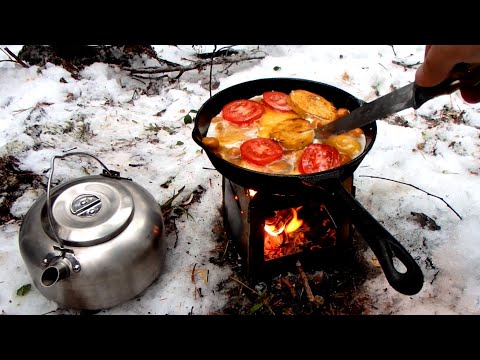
(15, 57)
(304, 278)
(235, 58)
(426, 192)
(76, 57)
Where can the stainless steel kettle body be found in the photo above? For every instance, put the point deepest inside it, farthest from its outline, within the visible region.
(93, 242)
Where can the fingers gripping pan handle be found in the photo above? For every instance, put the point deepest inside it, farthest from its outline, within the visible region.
(384, 246)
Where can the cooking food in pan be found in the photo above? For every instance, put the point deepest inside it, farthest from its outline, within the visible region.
(275, 133)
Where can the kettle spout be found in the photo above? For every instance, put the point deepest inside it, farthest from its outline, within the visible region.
(55, 272)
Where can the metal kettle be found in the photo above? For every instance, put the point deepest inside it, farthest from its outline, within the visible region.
(93, 242)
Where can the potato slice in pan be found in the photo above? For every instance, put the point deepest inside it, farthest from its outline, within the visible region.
(293, 134)
(271, 117)
(313, 106)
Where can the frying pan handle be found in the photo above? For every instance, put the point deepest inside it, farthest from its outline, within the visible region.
(463, 75)
(384, 246)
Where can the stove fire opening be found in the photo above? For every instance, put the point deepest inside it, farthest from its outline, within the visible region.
(294, 230)
(273, 231)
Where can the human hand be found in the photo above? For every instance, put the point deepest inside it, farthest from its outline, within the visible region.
(439, 61)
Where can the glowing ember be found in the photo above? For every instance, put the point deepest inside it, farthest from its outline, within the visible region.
(251, 192)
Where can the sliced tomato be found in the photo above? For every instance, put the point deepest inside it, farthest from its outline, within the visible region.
(319, 157)
(243, 112)
(261, 151)
(277, 100)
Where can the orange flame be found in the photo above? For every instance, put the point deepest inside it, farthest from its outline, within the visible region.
(295, 222)
(281, 222)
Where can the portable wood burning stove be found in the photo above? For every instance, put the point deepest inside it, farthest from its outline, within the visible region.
(273, 230)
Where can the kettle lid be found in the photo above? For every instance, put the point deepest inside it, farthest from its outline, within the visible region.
(91, 210)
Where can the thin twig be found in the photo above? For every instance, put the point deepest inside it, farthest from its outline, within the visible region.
(245, 285)
(211, 68)
(269, 308)
(394, 53)
(383, 66)
(17, 59)
(50, 312)
(193, 273)
(22, 110)
(67, 150)
(225, 252)
(426, 192)
(304, 278)
(285, 281)
(409, 66)
(176, 233)
(139, 77)
(385, 69)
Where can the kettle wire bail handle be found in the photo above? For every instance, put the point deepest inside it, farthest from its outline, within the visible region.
(51, 221)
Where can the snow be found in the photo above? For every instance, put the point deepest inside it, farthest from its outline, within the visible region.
(106, 114)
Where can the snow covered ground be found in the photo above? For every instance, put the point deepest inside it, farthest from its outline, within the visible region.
(45, 112)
